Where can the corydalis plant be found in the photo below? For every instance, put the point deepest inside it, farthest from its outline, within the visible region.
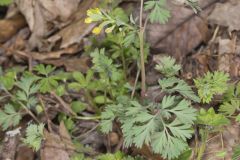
(211, 84)
(164, 126)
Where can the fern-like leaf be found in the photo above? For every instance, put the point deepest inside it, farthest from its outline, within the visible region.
(168, 67)
(174, 84)
(34, 136)
(211, 84)
(158, 12)
(9, 117)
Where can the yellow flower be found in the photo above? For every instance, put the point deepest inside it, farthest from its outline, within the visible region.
(109, 29)
(97, 30)
(88, 20)
(93, 11)
(97, 11)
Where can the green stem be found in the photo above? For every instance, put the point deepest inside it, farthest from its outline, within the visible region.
(141, 40)
(91, 101)
(87, 118)
(123, 63)
(202, 148)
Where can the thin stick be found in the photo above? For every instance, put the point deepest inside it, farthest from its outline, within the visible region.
(46, 114)
(135, 84)
(64, 104)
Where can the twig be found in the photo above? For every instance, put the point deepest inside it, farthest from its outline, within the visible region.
(64, 104)
(46, 114)
(135, 84)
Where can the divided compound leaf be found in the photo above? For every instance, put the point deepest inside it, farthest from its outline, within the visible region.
(211, 84)
(9, 117)
(168, 67)
(173, 84)
(34, 136)
(158, 12)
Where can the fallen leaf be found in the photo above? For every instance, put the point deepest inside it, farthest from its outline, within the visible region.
(44, 17)
(28, 153)
(81, 64)
(227, 14)
(77, 30)
(226, 50)
(182, 33)
(57, 146)
(10, 26)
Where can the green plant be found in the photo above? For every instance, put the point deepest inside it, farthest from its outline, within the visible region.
(210, 122)
(211, 84)
(119, 22)
(163, 126)
(158, 13)
(34, 136)
(5, 2)
(236, 153)
(9, 117)
(116, 156)
(168, 67)
(231, 100)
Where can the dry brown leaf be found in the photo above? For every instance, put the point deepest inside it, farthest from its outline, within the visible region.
(226, 50)
(57, 147)
(227, 14)
(182, 33)
(81, 64)
(44, 16)
(49, 55)
(77, 30)
(28, 153)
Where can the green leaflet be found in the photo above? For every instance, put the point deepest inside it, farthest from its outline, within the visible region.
(34, 136)
(168, 67)
(209, 117)
(173, 84)
(9, 117)
(8, 80)
(48, 82)
(211, 84)
(229, 108)
(158, 13)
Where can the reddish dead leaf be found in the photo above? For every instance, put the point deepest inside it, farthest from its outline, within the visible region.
(9, 27)
(28, 153)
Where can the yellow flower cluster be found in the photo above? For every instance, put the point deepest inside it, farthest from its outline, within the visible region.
(92, 14)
